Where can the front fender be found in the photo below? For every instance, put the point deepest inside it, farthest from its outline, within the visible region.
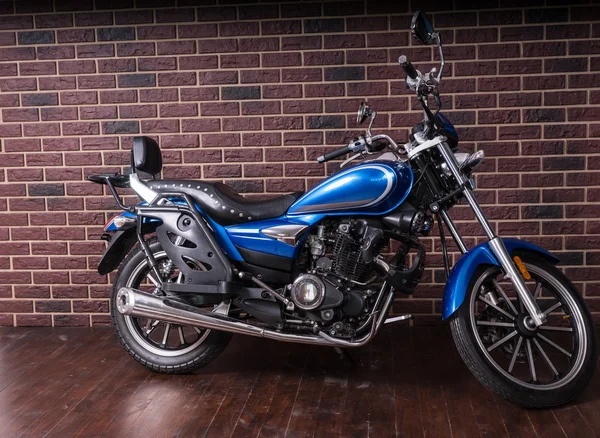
(460, 277)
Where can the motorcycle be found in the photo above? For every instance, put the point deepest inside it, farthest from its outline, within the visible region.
(311, 267)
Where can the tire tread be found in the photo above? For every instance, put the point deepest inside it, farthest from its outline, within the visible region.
(460, 328)
(215, 342)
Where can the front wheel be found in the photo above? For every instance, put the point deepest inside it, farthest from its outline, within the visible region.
(540, 368)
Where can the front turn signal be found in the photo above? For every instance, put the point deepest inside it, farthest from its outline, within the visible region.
(524, 272)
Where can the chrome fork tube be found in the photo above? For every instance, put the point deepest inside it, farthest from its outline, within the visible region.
(479, 214)
(499, 250)
(496, 244)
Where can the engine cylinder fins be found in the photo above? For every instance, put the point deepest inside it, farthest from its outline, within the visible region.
(308, 292)
(348, 260)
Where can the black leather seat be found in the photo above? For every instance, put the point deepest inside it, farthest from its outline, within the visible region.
(223, 204)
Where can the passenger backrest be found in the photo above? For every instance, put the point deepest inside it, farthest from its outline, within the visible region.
(146, 156)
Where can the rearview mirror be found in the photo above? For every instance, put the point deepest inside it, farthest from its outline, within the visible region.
(364, 112)
(422, 29)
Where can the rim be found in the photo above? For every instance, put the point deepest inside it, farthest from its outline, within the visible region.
(159, 337)
(546, 358)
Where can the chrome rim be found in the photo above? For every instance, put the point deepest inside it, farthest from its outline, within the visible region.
(159, 337)
(546, 358)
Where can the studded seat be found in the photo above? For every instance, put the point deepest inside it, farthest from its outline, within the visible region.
(223, 204)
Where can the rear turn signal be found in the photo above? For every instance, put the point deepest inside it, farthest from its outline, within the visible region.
(119, 222)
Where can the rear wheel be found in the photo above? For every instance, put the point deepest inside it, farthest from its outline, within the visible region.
(158, 345)
(540, 368)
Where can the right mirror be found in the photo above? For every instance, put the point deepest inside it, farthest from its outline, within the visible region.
(422, 29)
(363, 113)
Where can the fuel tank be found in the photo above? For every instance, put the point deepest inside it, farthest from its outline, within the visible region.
(370, 188)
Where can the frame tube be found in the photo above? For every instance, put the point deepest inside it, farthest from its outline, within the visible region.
(455, 234)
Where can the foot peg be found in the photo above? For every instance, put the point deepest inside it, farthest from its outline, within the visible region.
(397, 318)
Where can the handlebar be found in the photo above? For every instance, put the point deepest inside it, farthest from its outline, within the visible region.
(334, 154)
(424, 85)
(408, 67)
(356, 146)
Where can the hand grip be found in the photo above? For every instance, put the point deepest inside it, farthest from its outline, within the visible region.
(334, 154)
(408, 67)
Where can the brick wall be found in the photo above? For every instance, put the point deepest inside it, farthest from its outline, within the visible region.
(252, 94)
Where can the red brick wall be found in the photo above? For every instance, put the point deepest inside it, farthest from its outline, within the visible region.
(252, 94)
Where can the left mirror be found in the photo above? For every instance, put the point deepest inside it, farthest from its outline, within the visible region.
(364, 112)
(422, 29)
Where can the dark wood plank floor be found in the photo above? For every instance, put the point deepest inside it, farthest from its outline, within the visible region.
(408, 382)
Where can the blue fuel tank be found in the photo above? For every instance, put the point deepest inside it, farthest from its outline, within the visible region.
(370, 188)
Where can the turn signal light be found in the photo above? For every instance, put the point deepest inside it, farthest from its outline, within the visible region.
(524, 272)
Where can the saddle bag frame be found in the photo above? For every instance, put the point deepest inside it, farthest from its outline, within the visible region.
(181, 230)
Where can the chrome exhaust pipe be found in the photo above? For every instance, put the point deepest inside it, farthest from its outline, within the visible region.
(134, 302)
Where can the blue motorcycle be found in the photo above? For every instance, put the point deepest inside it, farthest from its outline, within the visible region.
(199, 262)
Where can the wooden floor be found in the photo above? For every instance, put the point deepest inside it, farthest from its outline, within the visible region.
(409, 382)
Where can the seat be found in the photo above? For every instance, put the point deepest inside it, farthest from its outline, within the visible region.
(223, 204)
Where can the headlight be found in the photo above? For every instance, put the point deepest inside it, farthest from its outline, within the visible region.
(461, 157)
(472, 162)
(466, 162)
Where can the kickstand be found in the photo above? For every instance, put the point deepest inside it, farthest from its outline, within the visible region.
(345, 355)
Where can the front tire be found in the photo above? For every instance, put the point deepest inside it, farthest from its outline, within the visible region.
(543, 368)
(159, 351)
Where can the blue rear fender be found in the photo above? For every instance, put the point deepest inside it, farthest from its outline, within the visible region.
(460, 277)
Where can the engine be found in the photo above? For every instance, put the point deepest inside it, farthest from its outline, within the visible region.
(339, 285)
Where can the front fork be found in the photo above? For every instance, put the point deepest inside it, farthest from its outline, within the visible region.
(496, 244)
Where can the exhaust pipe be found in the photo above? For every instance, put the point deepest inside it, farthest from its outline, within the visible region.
(134, 302)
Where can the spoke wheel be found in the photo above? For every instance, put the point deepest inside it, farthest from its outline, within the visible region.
(533, 367)
(159, 337)
(544, 358)
(158, 345)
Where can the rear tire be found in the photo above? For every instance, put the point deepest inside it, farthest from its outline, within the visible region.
(536, 354)
(203, 350)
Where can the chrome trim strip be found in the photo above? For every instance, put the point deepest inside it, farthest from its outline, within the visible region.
(285, 233)
(334, 205)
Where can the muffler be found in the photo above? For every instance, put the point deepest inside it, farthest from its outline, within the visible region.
(134, 302)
